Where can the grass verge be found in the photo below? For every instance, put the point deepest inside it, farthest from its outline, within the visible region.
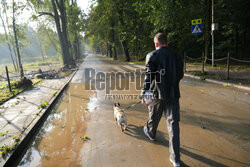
(5, 94)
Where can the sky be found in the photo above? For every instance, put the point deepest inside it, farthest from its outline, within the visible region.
(84, 4)
(25, 16)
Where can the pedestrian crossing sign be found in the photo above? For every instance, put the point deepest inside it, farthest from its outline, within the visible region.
(196, 26)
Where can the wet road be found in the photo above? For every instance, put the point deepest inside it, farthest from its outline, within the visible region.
(215, 124)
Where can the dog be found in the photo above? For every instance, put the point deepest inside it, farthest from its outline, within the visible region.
(120, 117)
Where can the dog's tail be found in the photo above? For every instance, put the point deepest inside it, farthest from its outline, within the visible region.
(123, 127)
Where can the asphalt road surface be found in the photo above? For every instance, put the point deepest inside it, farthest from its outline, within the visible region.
(215, 123)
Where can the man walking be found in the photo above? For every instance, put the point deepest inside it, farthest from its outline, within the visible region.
(164, 70)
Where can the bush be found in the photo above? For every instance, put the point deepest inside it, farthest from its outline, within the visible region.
(24, 82)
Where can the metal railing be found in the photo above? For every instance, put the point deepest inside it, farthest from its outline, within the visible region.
(228, 58)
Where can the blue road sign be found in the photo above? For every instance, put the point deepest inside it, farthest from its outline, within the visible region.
(196, 29)
(196, 26)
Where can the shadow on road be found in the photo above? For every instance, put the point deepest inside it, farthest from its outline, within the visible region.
(137, 132)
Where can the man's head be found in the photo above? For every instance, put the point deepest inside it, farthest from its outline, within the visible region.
(160, 40)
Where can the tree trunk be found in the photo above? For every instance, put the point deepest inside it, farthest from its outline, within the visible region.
(136, 50)
(12, 39)
(101, 49)
(16, 41)
(64, 30)
(110, 51)
(115, 54)
(124, 42)
(78, 47)
(126, 51)
(15, 53)
(60, 35)
(107, 53)
(246, 38)
(236, 41)
(40, 45)
(75, 49)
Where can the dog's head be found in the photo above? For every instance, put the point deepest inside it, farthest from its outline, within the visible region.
(117, 104)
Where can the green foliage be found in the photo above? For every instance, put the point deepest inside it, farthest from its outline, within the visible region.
(36, 81)
(54, 93)
(69, 22)
(84, 138)
(218, 77)
(43, 105)
(201, 74)
(17, 137)
(76, 25)
(7, 148)
(4, 133)
(48, 40)
(110, 22)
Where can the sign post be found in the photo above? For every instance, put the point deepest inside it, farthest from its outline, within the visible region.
(8, 78)
(212, 33)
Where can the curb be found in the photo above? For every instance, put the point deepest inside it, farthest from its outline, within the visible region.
(219, 82)
(14, 158)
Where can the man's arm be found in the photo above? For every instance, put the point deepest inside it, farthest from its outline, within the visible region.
(180, 68)
(150, 73)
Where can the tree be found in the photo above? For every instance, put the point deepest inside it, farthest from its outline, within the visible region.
(48, 39)
(57, 10)
(7, 39)
(12, 41)
(76, 20)
(136, 22)
(16, 39)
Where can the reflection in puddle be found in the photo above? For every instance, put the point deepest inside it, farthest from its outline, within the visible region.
(58, 142)
(31, 158)
(93, 103)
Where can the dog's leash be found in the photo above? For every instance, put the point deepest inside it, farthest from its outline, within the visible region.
(131, 105)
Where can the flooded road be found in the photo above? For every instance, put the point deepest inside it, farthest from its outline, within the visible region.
(60, 139)
(215, 129)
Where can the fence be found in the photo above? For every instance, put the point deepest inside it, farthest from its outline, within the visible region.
(228, 58)
(8, 76)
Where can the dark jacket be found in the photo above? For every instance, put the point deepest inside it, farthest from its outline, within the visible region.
(164, 70)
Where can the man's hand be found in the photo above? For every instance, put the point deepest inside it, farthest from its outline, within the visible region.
(142, 101)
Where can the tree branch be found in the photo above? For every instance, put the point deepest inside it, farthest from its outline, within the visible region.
(57, 3)
(45, 13)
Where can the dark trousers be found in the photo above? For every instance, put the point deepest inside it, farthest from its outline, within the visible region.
(171, 109)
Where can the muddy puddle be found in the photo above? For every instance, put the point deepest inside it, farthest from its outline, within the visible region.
(59, 141)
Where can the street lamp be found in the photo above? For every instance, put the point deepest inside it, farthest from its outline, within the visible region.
(212, 33)
(214, 26)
